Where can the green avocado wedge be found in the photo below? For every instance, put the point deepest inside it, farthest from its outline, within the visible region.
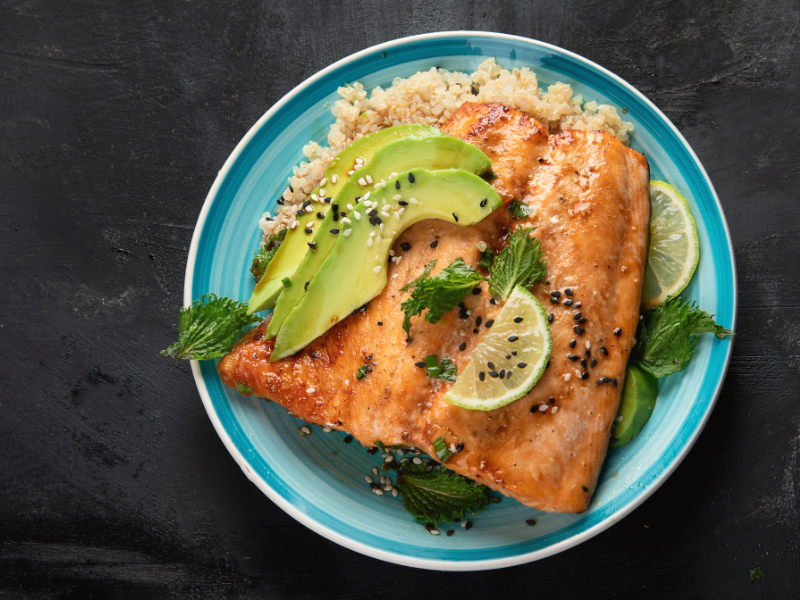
(433, 153)
(294, 247)
(638, 401)
(355, 270)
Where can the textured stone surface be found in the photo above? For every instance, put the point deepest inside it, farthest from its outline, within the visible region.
(114, 119)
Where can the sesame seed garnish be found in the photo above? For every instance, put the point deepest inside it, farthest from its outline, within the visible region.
(396, 197)
(478, 321)
(322, 192)
(482, 376)
(594, 362)
(420, 364)
(490, 364)
(335, 231)
(614, 382)
(460, 447)
(572, 343)
(577, 305)
(543, 407)
(368, 479)
(308, 230)
(493, 373)
(434, 243)
(347, 232)
(378, 256)
(568, 292)
(576, 316)
(573, 357)
(603, 380)
(567, 302)
(357, 215)
(362, 182)
(416, 461)
(411, 178)
(531, 522)
(455, 216)
(377, 269)
(554, 299)
(584, 375)
(579, 330)
(413, 201)
(567, 377)
(618, 332)
(584, 488)
(521, 365)
(555, 293)
(476, 290)
(348, 439)
(603, 350)
(516, 319)
(369, 242)
(583, 363)
(368, 178)
(483, 202)
(463, 346)
(550, 317)
(513, 338)
(305, 287)
(311, 389)
(334, 178)
(397, 184)
(493, 302)
(489, 323)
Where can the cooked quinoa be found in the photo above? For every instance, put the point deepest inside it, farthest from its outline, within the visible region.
(431, 97)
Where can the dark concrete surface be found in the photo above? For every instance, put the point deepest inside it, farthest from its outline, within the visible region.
(114, 120)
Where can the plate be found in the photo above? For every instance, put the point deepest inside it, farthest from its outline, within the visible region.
(318, 479)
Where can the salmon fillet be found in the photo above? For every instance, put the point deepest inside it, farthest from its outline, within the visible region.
(589, 199)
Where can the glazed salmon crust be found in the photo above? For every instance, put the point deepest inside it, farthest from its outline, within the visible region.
(588, 196)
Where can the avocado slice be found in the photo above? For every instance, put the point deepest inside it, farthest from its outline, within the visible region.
(639, 396)
(293, 248)
(355, 270)
(429, 153)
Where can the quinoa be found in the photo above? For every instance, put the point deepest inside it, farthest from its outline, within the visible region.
(431, 97)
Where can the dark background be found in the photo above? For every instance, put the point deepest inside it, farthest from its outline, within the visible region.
(114, 120)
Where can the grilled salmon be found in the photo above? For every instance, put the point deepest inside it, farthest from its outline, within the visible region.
(588, 196)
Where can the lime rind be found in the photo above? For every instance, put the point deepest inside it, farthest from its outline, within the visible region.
(674, 251)
(533, 347)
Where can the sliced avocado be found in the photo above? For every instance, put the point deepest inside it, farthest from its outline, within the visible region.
(293, 248)
(355, 270)
(432, 153)
(639, 396)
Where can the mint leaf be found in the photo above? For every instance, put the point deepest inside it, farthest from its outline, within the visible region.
(266, 252)
(438, 294)
(756, 574)
(521, 262)
(208, 327)
(487, 258)
(439, 495)
(446, 369)
(519, 210)
(668, 336)
(442, 452)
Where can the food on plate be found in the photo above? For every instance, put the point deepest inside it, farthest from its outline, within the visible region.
(470, 290)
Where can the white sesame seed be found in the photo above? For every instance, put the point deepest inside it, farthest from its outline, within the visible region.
(351, 172)
(397, 197)
(383, 184)
(464, 523)
(368, 178)
(543, 407)
(388, 459)
(310, 389)
(322, 192)
(392, 175)
(366, 196)
(327, 429)
(368, 479)
(620, 418)
(346, 382)
(481, 246)
(357, 166)
(349, 207)
(334, 178)
(375, 471)
(377, 257)
(377, 269)
(417, 461)
(305, 430)
(293, 225)
(413, 201)
(394, 276)
(359, 160)
(402, 210)
(369, 242)
(391, 252)
(382, 480)
(387, 488)
(385, 202)
(399, 258)
(567, 377)
(577, 372)
(347, 232)
(357, 215)
(362, 182)
(323, 182)
(394, 233)
(381, 227)
(395, 493)
(588, 344)
(555, 410)
(315, 198)
(453, 448)
(376, 186)
(378, 491)
(347, 221)
(378, 239)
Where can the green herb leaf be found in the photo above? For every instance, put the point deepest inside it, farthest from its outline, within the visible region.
(756, 574)
(265, 254)
(208, 327)
(287, 283)
(668, 336)
(439, 495)
(361, 373)
(244, 389)
(432, 365)
(491, 175)
(487, 258)
(521, 262)
(439, 294)
(441, 449)
(446, 369)
(519, 210)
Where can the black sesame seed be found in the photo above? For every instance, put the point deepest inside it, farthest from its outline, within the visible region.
(493, 373)
(308, 230)
(584, 488)
(397, 184)
(602, 380)
(579, 330)
(420, 364)
(567, 302)
(372, 450)
(305, 287)
(320, 215)
(550, 318)
(513, 338)
(451, 532)
(291, 189)
(312, 245)
(577, 305)
(588, 354)
(554, 299)
(521, 365)
(411, 178)
(489, 323)
(618, 332)
(300, 212)
(434, 243)
(335, 216)
(576, 316)
(328, 199)
(493, 302)
(531, 522)
(483, 202)
(281, 201)
(534, 409)
(405, 246)
(490, 364)
(460, 447)
(476, 291)
(614, 382)
(508, 357)
(593, 363)
(582, 320)
(573, 357)
(335, 231)
(380, 323)
(584, 376)
(377, 220)
(505, 109)
(478, 321)
(502, 373)
(517, 319)
(347, 439)
(403, 203)
(372, 212)
(572, 343)
(603, 350)
(583, 363)
(474, 331)
(514, 352)
(468, 526)
(555, 293)
(463, 346)
(455, 216)
(508, 375)
(568, 292)
(482, 376)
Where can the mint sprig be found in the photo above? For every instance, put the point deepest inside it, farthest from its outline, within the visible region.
(521, 262)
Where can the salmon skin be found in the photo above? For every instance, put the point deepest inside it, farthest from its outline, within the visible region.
(588, 196)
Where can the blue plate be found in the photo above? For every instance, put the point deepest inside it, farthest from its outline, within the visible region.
(319, 480)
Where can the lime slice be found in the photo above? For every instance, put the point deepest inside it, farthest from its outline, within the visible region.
(639, 396)
(674, 247)
(490, 380)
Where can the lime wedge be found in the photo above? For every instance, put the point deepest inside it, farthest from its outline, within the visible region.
(639, 396)
(674, 247)
(490, 380)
